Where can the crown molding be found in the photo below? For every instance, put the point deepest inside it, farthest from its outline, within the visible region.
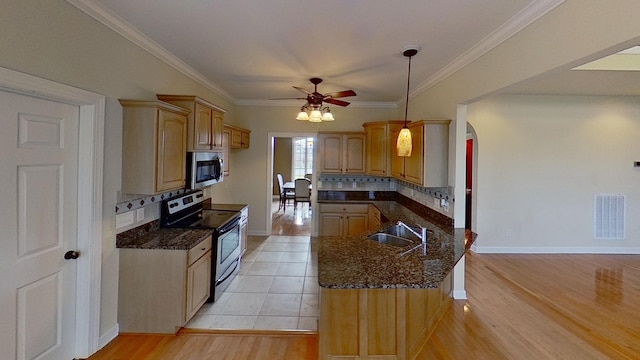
(524, 18)
(105, 16)
(298, 103)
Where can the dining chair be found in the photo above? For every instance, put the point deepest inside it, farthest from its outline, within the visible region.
(285, 195)
(302, 192)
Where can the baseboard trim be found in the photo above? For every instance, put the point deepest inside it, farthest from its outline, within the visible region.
(555, 250)
(460, 294)
(108, 336)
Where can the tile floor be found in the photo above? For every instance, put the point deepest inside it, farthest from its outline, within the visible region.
(276, 289)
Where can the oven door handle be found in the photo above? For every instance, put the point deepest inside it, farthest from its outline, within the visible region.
(228, 273)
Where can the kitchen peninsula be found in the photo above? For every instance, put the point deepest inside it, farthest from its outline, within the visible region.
(376, 303)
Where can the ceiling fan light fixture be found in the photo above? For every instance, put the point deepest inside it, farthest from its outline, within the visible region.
(404, 141)
(327, 116)
(315, 116)
(302, 115)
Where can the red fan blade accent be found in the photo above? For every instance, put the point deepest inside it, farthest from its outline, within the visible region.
(340, 94)
(336, 102)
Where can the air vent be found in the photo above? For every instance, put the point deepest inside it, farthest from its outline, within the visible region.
(609, 210)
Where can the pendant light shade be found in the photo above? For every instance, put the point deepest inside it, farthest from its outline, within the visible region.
(403, 143)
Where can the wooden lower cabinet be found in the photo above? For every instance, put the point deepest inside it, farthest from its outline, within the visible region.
(390, 324)
(160, 290)
(343, 219)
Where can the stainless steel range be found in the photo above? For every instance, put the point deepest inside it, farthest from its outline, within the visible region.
(186, 211)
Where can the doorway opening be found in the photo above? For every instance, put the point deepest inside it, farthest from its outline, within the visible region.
(292, 158)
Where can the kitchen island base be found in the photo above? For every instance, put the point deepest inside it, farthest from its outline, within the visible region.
(389, 324)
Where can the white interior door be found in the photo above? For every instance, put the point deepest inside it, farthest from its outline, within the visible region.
(38, 222)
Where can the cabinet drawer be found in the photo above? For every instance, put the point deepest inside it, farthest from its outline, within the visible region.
(345, 208)
(197, 251)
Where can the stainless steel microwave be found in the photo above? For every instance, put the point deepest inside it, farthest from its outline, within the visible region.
(204, 169)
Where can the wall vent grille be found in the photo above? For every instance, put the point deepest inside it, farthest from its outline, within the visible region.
(609, 210)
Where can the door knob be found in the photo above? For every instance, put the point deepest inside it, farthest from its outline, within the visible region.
(71, 255)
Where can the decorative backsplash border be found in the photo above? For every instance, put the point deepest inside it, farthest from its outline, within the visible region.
(127, 202)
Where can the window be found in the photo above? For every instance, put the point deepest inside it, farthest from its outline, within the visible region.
(302, 157)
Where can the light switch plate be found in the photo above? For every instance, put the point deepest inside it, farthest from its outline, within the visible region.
(140, 214)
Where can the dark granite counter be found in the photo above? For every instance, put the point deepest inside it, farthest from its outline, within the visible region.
(152, 237)
(360, 263)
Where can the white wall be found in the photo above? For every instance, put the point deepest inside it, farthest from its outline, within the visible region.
(542, 159)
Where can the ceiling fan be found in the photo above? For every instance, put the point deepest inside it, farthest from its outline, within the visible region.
(315, 101)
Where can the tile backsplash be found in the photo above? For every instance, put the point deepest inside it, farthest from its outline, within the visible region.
(438, 199)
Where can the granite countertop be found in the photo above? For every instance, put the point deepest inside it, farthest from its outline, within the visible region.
(163, 239)
(360, 263)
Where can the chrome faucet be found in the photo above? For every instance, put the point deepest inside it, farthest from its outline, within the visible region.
(422, 235)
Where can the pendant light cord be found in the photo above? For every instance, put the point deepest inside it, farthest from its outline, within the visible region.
(406, 104)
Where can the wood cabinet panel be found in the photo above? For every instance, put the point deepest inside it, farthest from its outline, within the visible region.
(205, 122)
(380, 146)
(342, 152)
(428, 164)
(385, 323)
(240, 138)
(154, 144)
(343, 219)
(159, 291)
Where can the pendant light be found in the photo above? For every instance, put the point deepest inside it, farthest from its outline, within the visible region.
(403, 144)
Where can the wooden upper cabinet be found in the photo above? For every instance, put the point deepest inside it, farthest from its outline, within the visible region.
(240, 138)
(154, 147)
(428, 164)
(342, 152)
(380, 148)
(205, 122)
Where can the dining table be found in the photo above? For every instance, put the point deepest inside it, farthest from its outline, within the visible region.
(291, 185)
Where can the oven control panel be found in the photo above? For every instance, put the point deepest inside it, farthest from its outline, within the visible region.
(184, 202)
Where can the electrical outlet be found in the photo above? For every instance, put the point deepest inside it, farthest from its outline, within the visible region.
(140, 214)
(319, 184)
(339, 184)
(354, 185)
(445, 206)
(124, 219)
(411, 192)
(507, 232)
(436, 203)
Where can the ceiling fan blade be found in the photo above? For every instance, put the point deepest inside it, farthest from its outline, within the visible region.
(303, 90)
(336, 102)
(289, 98)
(340, 94)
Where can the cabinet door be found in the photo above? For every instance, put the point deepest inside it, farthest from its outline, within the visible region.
(331, 153)
(171, 151)
(397, 162)
(226, 145)
(354, 153)
(236, 138)
(246, 139)
(376, 150)
(202, 136)
(198, 284)
(355, 224)
(331, 224)
(414, 164)
(217, 125)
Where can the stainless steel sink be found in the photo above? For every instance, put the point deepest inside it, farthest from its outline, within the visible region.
(402, 232)
(390, 239)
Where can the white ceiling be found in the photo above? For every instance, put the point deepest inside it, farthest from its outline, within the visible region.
(255, 50)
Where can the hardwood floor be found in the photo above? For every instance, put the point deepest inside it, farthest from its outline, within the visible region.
(287, 222)
(519, 307)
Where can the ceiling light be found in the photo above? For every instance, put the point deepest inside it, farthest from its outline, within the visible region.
(315, 113)
(403, 143)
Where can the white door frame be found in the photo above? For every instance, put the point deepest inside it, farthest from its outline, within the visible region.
(269, 190)
(90, 168)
